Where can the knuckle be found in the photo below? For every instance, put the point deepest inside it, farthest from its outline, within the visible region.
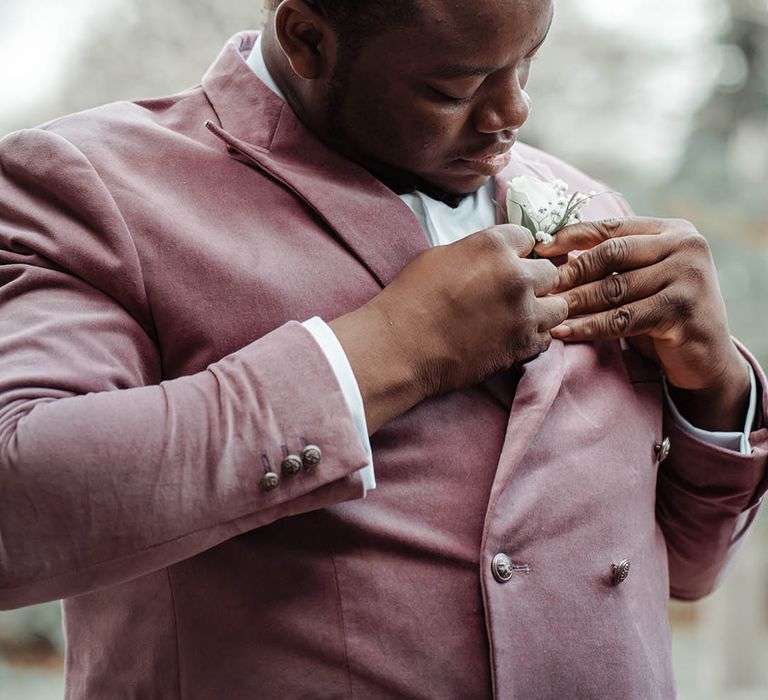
(614, 290)
(547, 276)
(537, 344)
(694, 242)
(521, 279)
(683, 305)
(491, 240)
(553, 314)
(683, 225)
(579, 270)
(545, 340)
(607, 228)
(671, 312)
(617, 251)
(602, 258)
(620, 321)
(694, 275)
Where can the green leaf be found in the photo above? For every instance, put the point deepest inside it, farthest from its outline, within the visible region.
(528, 222)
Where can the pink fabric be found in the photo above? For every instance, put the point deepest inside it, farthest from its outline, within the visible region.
(152, 275)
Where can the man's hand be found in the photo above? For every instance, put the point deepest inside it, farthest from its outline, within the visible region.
(454, 316)
(654, 281)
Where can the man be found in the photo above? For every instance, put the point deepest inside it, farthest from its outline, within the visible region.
(184, 461)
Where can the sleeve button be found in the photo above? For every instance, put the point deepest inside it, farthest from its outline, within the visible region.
(270, 481)
(291, 465)
(311, 455)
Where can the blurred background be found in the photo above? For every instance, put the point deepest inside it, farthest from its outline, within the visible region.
(666, 102)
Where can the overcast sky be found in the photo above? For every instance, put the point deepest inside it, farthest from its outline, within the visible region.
(37, 39)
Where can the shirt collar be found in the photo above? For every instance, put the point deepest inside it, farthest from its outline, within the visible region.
(257, 64)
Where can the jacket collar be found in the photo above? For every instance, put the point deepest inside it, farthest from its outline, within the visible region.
(259, 128)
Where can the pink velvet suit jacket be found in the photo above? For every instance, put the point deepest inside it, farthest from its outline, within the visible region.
(153, 273)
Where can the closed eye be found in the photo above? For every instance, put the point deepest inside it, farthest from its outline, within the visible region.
(453, 99)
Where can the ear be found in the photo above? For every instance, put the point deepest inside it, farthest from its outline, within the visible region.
(306, 37)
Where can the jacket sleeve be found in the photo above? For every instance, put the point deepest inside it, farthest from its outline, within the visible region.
(107, 472)
(707, 498)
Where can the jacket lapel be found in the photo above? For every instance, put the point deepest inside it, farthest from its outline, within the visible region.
(367, 217)
(535, 393)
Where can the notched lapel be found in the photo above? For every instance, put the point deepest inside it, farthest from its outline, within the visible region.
(366, 215)
(536, 390)
(259, 128)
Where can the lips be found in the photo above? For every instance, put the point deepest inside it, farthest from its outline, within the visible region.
(489, 163)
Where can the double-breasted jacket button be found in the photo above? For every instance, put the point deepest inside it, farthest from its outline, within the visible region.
(270, 481)
(291, 465)
(619, 572)
(311, 455)
(662, 449)
(501, 567)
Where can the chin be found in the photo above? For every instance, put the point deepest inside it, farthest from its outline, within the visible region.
(463, 185)
(450, 190)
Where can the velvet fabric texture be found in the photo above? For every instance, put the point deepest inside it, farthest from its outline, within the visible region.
(156, 258)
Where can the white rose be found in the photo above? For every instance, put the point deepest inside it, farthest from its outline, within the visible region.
(529, 195)
(543, 207)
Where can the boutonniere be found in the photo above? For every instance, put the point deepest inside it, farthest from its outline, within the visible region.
(544, 207)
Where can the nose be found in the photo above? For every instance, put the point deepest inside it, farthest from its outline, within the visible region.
(506, 108)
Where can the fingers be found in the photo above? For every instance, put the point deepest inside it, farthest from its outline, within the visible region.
(540, 275)
(553, 310)
(545, 276)
(614, 255)
(646, 317)
(589, 234)
(520, 239)
(616, 290)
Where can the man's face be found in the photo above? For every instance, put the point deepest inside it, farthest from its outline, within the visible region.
(440, 101)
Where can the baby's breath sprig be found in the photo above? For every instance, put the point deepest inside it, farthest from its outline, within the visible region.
(543, 207)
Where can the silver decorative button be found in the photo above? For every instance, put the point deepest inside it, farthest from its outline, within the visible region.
(291, 465)
(311, 455)
(619, 572)
(270, 481)
(662, 449)
(502, 569)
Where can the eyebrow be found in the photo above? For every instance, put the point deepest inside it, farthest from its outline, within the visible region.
(461, 70)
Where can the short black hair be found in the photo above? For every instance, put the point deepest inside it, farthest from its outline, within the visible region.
(358, 20)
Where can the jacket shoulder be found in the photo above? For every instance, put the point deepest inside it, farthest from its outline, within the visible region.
(116, 129)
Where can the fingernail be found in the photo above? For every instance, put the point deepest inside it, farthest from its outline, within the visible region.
(562, 331)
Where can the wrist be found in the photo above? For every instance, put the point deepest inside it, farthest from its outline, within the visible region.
(387, 375)
(721, 405)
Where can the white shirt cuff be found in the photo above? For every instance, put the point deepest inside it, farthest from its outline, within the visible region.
(738, 442)
(337, 358)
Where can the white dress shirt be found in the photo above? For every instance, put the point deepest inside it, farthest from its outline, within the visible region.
(443, 224)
